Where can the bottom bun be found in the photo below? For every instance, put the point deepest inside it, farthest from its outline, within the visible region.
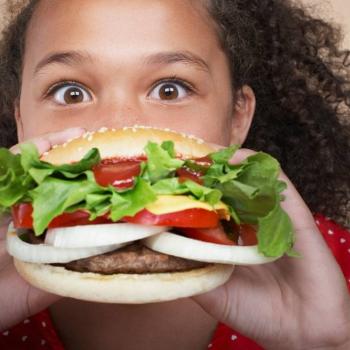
(123, 288)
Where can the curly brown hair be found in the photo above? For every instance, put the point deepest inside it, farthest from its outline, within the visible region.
(300, 77)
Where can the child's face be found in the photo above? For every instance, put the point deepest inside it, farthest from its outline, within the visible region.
(115, 63)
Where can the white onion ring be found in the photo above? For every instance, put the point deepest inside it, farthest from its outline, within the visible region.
(99, 235)
(188, 248)
(46, 254)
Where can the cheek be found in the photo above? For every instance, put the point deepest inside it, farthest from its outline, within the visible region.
(209, 121)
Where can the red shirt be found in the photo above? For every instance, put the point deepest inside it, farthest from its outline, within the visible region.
(38, 332)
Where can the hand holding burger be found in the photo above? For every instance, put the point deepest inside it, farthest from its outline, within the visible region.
(20, 299)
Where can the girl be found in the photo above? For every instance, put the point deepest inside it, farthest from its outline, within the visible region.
(260, 73)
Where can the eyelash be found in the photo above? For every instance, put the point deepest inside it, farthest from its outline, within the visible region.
(190, 89)
(174, 79)
(55, 87)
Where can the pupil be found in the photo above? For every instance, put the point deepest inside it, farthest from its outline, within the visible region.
(168, 92)
(73, 95)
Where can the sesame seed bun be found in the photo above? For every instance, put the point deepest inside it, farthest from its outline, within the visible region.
(126, 142)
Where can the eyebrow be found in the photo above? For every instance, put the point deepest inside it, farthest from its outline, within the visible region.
(71, 58)
(170, 57)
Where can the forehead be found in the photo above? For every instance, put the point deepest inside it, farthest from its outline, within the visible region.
(106, 26)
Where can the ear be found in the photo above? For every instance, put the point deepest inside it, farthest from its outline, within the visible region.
(19, 123)
(242, 114)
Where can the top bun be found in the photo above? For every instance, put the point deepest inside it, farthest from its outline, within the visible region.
(127, 142)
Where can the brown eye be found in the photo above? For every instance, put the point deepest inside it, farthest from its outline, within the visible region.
(71, 94)
(169, 91)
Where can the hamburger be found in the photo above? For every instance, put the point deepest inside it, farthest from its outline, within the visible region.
(139, 215)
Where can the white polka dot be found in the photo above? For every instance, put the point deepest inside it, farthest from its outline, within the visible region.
(24, 338)
(26, 321)
(233, 337)
(317, 222)
(348, 250)
(43, 342)
(6, 333)
(43, 324)
(342, 240)
(330, 232)
(210, 345)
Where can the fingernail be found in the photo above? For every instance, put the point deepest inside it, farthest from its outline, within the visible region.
(15, 149)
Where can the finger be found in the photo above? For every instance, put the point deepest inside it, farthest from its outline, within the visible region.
(240, 155)
(45, 142)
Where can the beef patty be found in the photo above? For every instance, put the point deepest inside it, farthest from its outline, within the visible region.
(133, 258)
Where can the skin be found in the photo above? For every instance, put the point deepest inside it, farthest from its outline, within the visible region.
(288, 304)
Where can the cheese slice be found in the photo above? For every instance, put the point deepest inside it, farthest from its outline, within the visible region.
(170, 204)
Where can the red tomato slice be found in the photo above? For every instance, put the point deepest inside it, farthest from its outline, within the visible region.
(185, 174)
(248, 234)
(79, 217)
(119, 174)
(195, 217)
(212, 235)
(22, 215)
(22, 218)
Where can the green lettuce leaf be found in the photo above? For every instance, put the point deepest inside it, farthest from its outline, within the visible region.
(40, 170)
(172, 186)
(130, 202)
(253, 192)
(222, 156)
(161, 161)
(15, 182)
(55, 196)
(275, 234)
